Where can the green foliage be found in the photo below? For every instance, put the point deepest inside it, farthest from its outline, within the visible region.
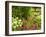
(20, 13)
(16, 23)
(38, 20)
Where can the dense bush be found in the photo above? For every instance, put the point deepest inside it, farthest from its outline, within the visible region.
(26, 18)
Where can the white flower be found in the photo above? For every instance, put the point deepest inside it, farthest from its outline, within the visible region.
(20, 25)
(20, 20)
(14, 26)
(15, 22)
(17, 18)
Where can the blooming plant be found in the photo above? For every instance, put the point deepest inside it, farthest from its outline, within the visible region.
(26, 18)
